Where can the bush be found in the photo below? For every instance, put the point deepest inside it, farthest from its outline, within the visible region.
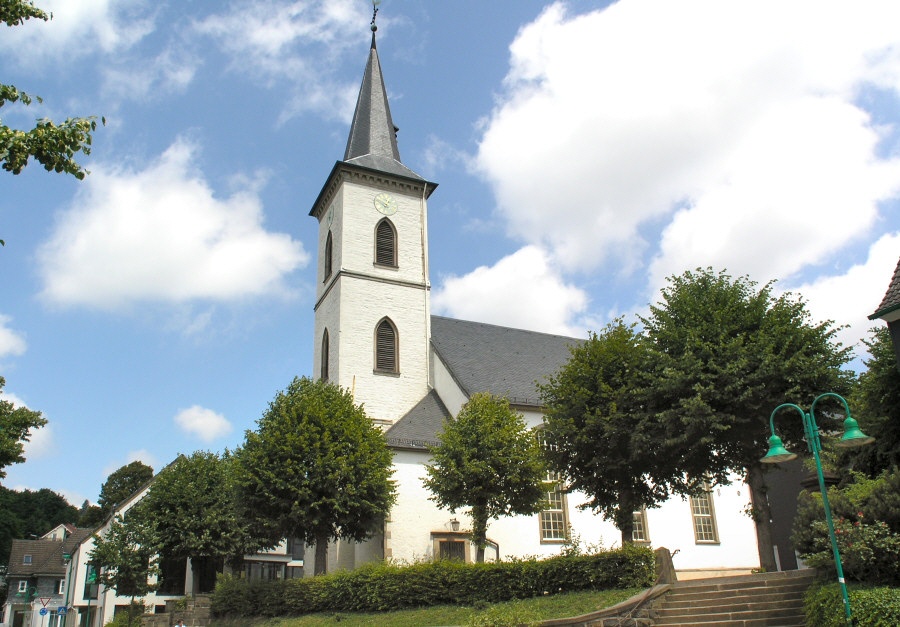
(871, 607)
(385, 586)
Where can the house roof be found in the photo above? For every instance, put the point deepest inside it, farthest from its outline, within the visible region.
(499, 360)
(46, 555)
(482, 358)
(891, 300)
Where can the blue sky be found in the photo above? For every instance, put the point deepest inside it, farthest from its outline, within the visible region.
(584, 150)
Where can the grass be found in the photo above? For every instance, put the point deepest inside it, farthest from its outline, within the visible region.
(525, 610)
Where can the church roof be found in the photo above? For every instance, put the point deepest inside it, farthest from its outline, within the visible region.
(482, 358)
(891, 300)
(373, 137)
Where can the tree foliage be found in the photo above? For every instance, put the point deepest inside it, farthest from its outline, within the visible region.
(54, 146)
(599, 435)
(122, 483)
(29, 513)
(192, 511)
(488, 461)
(725, 354)
(16, 427)
(876, 403)
(124, 556)
(316, 468)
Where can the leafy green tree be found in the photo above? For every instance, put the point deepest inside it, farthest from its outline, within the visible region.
(54, 146)
(725, 354)
(26, 513)
(487, 460)
(16, 427)
(125, 557)
(317, 468)
(122, 483)
(598, 434)
(89, 516)
(876, 401)
(192, 511)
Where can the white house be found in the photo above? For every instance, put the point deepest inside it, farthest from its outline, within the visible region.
(375, 335)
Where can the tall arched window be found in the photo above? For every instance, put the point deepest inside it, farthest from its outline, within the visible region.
(327, 262)
(324, 372)
(385, 243)
(386, 347)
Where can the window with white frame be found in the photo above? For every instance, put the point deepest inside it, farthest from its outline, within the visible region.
(61, 586)
(640, 532)
(23, 585)
(704, 515)
(554, 518)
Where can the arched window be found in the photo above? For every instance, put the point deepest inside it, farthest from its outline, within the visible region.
(327, 261)
(324, 373)
(386, 347)
(385, 243)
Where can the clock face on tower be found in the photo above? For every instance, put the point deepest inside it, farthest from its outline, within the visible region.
(385, 204)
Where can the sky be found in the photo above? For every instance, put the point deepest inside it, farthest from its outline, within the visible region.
(584, 151)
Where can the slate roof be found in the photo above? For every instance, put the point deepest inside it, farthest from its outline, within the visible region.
(891, 300)
(482, 358)
(46, 555)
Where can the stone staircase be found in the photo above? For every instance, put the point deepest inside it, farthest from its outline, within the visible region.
(763, 600)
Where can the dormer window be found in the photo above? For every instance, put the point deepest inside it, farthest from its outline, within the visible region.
(26, 559)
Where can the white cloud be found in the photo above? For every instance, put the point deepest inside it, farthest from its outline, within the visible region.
(161, 234)
(849, 298)
(521, 290)
(204, 423)
(147, 78)
(296, 42)
(743, 145)
(11, 341)
(79, 27)
(41, 442)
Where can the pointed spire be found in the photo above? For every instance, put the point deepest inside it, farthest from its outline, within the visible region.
(372, 131)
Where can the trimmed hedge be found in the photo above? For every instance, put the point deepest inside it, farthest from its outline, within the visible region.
(871, 607)
(385, 586)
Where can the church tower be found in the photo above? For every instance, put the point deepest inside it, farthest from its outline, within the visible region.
(372, 312)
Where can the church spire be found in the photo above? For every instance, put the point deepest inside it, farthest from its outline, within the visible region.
(372, 131)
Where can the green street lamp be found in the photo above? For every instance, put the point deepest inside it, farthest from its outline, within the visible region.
(852, 438)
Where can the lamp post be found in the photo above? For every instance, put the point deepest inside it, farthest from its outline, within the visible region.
(27, 597)
(852, 438)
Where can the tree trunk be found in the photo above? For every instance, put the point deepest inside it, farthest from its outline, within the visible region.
(321, 566)
(625, 516)
(762, 516)
(479, 532)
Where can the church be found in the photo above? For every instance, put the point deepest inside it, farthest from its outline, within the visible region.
(375, 335)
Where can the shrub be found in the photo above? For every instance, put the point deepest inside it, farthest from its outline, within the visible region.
(385, 586)
(871, 607)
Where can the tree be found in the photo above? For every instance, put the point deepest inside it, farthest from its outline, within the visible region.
(125, 558)
(16, 426)
(877, 400)
(317, 468)
(489, 461)
(724, 355)
(598, 434)
(53, 146)
(122, 483)
(29, 513)
(192, 511)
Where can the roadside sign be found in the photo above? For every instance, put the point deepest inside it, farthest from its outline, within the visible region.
(61, 610)
(44, 611)
(45, 601)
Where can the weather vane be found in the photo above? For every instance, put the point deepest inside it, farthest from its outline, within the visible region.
(375, 4)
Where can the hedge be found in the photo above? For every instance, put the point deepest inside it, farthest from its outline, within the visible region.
(870, 606)
(385, 586)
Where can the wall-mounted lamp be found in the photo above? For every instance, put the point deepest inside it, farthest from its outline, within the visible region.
(454, 524)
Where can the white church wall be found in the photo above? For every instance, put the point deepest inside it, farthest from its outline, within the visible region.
(446, 386)
(414, 518)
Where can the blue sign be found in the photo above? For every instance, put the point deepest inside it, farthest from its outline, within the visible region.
(43, 611)
(61, 610)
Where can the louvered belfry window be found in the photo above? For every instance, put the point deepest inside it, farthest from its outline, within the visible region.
(327, 262)
(385, 244)
(386, 347)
